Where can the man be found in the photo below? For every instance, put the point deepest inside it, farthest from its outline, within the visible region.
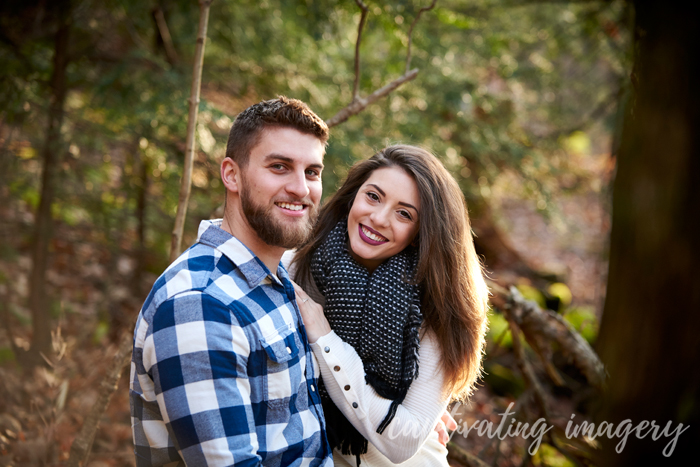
(222, 372)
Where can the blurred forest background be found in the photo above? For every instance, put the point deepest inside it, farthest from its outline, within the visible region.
(525, 102)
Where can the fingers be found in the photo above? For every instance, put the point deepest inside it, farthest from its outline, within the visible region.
(446, 422)
(441, 429)
(449, 422)
(301, 295)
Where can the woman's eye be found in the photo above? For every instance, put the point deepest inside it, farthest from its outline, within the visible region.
(405, 215)
(373, 196)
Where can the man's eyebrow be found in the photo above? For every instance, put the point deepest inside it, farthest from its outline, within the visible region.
(288, 160)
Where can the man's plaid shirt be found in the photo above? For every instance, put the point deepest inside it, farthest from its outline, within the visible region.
(222, 372)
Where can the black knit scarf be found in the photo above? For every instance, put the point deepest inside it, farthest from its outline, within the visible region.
(379, 315)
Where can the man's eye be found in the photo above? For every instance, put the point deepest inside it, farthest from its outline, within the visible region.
(313, 173)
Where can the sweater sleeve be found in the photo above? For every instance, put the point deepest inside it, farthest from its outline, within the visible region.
(344, 377)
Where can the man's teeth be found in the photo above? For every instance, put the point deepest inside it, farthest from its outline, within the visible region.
(374, 237)
(291, 207)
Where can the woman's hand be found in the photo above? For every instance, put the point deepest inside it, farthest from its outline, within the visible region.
(312, 314)
(445, 423)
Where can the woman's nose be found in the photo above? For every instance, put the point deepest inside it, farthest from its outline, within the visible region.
(380, 217)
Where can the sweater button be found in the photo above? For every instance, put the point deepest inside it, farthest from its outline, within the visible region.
(289, 350)
(347, 387)
(354, 405)
(327, 349)
(336, 368)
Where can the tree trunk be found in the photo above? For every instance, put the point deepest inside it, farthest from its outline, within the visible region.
(51, 155)
(649, 338)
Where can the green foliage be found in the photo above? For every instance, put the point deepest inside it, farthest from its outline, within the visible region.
(531, 293)
(498, 330)
(562, 292)
(6, 355)
(100, 333)
(583, 320)
(502, 380)
(548, 455)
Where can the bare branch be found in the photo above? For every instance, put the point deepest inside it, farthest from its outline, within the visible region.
(543, 325)
(164, 32)
(358, 105)
(410, 33)
(363, 18)
(186, 185)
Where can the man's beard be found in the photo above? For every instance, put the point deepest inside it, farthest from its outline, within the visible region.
(273, 232)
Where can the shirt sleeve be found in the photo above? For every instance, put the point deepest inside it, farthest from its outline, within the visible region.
(197, 357)
(344, 377)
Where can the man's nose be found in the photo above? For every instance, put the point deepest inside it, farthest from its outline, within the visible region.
(297, 185)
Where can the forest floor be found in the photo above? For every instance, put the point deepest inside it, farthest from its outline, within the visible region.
(41, 411)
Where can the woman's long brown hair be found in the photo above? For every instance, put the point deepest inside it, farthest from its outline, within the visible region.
(454, 303)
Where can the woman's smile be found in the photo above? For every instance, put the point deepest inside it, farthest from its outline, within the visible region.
(371, 236)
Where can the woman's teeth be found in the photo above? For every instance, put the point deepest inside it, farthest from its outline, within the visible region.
(374, 237)
(291, 207)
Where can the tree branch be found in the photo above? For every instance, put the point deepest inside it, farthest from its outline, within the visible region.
(186, 185)
(358, 104)
(164, 32)
(538, 324)
(410, 33)
(363, 18)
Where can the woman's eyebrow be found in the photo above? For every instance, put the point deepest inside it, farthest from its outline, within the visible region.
(381, 192)
(408, 205)
(401, 203)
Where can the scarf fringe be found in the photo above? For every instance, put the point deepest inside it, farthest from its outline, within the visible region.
(341, 434)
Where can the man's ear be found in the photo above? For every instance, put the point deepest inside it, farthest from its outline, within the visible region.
(230, 174)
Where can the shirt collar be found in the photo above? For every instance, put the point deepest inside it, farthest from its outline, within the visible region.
(253, 269)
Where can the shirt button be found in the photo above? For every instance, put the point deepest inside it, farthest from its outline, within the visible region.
(327, 349)
(354, 405)
(289, 350)
(336, 368)
(347, 387)
(313, 389)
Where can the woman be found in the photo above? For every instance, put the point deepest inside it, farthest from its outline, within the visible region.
(392, 265)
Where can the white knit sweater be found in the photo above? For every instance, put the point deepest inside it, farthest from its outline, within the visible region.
(410, 439)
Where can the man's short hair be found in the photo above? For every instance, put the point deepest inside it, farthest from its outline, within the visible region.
(281, 112)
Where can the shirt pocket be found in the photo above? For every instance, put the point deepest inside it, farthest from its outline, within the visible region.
(282, 372)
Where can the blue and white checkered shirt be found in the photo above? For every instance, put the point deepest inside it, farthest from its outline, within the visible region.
(222, 372)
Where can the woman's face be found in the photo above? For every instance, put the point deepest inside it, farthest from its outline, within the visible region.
(384, 217)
